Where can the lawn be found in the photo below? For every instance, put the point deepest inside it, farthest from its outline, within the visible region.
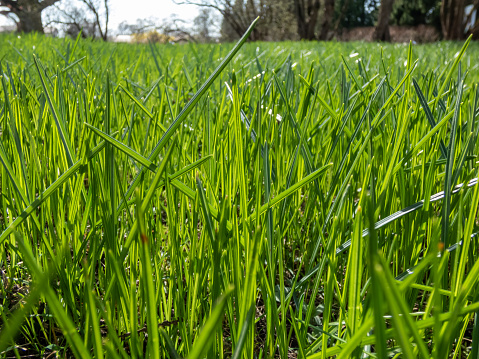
(258, 200)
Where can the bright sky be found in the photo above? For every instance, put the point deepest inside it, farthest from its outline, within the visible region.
(129, 11)
(122, 10)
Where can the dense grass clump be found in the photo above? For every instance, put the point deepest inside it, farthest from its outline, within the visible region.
(306, 200)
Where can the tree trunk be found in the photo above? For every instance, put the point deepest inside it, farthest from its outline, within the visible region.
(307, 17)
(452, 19)
(327, 19)
(29, 13)
(381, 32)
(341, 16)
(29, 21)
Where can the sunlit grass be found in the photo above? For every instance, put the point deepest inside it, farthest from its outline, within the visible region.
(282, 199)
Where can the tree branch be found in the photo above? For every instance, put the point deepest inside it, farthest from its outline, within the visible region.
(12, 5)
(47, 3)
(107, 17)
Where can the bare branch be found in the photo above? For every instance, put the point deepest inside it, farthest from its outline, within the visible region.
(107, 17)
(90, 16)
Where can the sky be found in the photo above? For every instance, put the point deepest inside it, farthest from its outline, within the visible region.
(123, 10)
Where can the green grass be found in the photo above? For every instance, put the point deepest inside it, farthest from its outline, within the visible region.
(282, 200)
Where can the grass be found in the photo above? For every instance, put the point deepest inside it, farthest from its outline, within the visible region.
(306, 200)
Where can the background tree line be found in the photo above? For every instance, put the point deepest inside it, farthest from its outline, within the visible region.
(280, 19)
(324, 19)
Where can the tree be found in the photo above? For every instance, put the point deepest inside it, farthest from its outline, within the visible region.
(94, 8)
(327, 19)
(307, 17)
(452, 19)
(176, 28)
(27, 14)
(280, 19)
(471, 23)
(381, 32)
(415, 13)
(355, 13)
(202, 25)
(92, 18)
(140, 27)
(73, 22)
(459, 19)
(237, 15)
